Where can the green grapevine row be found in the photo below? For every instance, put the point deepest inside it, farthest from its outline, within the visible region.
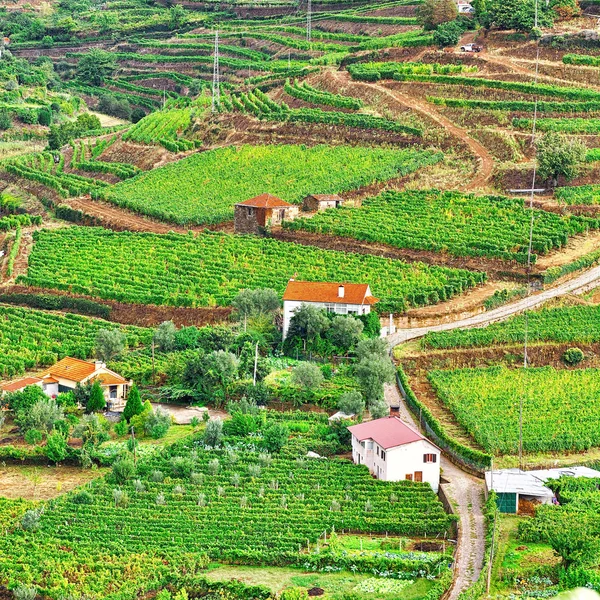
(306, 92)
(387, 70)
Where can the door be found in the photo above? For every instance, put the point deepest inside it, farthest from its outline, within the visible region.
(419, 476)
(409, 477)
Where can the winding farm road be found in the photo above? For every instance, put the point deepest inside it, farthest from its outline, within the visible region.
(579, 284)
(464, 490)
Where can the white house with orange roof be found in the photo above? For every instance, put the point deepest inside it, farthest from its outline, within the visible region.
(339, 298)
(68, 372)
(394, 451)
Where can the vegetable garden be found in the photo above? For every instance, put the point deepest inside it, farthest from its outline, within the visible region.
(463, 225)
(203, 188)
(560, 407)
(210, 269)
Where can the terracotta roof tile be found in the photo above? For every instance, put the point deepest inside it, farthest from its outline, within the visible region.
(311, 291)
(388, 432)
(19, 384)
(265, 201)
(110, 379)
(72, 369)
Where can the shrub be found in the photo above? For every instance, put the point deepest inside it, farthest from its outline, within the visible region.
(31, 519)
(25, 592)
(307, 375)
(96, 402)
(275, 437)
(573, 356)
(34, 436)
(56, 448)
(123, 469)
(213, 435)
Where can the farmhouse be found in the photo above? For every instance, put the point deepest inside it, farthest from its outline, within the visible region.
(262, 211)
(68, 372)
(316, 202)
(393, 451)
(339, 298)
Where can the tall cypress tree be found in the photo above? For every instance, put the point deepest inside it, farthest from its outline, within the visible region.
(134, 404)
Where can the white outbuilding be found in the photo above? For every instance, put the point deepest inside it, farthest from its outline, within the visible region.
(394, 451)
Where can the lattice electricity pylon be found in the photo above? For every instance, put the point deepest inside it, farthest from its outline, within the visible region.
(216, 86)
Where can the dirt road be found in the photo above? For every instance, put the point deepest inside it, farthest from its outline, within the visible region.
(581, 283)
(486, 161)
(466, 494)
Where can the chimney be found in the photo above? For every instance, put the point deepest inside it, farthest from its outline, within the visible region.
(98, 364)
(341, 291)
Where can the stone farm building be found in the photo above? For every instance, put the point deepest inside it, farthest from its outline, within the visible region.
(251, 216)
(316, 202)
(68, 372)
(339, 298)
(394, 451)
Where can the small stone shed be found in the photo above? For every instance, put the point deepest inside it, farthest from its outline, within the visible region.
(262, 211)
(316, 202)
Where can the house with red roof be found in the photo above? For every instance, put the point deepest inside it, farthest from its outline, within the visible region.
(262, 211)
(393, 450)
(67, 373)
(339, 298)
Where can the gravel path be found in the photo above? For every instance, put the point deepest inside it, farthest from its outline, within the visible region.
(466, 495)
(582, 283)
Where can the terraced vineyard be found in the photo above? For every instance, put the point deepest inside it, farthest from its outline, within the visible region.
(560, 408)
(32, 338)
(203, 188)
(463, 225)
(209, 269)
(567, 324)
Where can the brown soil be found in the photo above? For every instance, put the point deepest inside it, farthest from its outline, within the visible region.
(43, 483)
(142, 315)
(120, 219)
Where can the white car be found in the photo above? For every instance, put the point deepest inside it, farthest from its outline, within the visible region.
(470, 48)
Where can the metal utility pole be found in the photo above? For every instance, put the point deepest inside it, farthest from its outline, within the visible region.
(309, 21)
(216, 87)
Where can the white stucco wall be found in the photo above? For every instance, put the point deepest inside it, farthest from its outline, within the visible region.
(400, 461)
(290, 306)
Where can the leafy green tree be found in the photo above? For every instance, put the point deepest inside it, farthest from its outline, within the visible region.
(137, 114)
(352, 403)
(275, 437)
(92, 429)
(109, 344)
(42, 415)
(123, 470)
(164, 336)
(379, 409)
(308, 376)
(5, 120)
(251, 303)
(376, 346)
(372, 325)
(134, 405)
(44, 117)
(20, 402)
(515, 14)
(559, 156)
(157, 424)
(345, 332)
(56, 448)
(574, 536)
(177, 16)
(447, 34)
(372, 372)
(97, 401)
(432, 13)
(96, 66)
(306, 326)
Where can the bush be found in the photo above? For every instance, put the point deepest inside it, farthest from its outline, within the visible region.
(123, 469)
(56, 448)
(157, 424)
(307, 375)
(34, 436)
(213, 434)
(573, 356)
(275, 437)
(31, 519)
(447, 34)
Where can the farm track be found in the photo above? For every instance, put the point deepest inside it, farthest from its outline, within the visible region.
(486, 161)
(120, 219)
(466, 494)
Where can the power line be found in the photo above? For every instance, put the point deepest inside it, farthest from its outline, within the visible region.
(216, 86)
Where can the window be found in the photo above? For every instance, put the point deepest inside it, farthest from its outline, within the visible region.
(429, 458)
(377, 450)
(383, 455)
(369, 445)
(112, 392)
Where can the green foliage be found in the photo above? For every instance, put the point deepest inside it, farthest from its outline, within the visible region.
(565, 324)
(157, 423)
(308, 93)
(42, 415)
(217, 266)
(109, 344)
(573, 356)
(96, 66)
(123, 470)
(33, 436)
(374, 71)
(275, 437)
(133, 405)
(294, 593)
(22, 402)
(559, 408)
(97, 401)
(432, 13)
(516, 14)
(447, 34)
(559, 156)
(171, 192)
(352, 403)
(307, 375)
(56, 448)
(164, 336)
(372, 372)
(213, 434)
(461, 224)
